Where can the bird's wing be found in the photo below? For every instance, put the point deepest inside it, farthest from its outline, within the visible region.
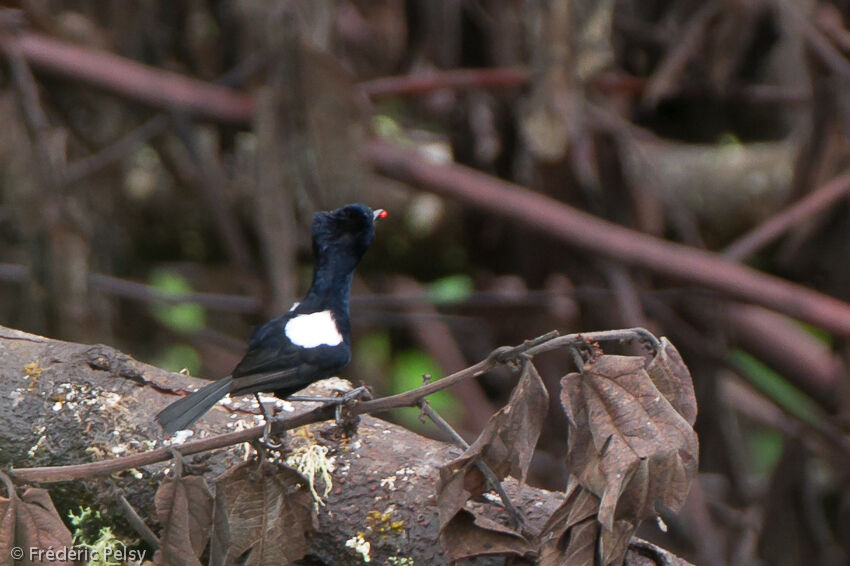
(269, 331)
(288, 380)
(269, 350)
(267, 360)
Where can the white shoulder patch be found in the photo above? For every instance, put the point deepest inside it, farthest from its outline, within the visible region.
(294, 306)
(313, 330)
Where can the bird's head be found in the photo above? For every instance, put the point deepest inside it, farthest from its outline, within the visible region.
(345, 234)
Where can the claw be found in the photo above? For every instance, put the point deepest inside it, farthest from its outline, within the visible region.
(266, 441)
(341, 416)
(356, 393)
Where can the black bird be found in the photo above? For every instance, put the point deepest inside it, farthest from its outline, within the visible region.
(310, 342)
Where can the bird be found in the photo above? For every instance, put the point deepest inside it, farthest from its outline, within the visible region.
(310, 342)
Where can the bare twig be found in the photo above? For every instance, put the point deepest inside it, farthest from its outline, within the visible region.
(802, 210)
(517, 519)
(435, 337)
(107, 467)
(628, 334)
(138, 523)
(496, 357)
(63, 253)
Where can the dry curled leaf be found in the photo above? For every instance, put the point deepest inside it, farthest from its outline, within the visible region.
(672, 378)
(39, 526)
(474, 534)
(614, 543)
(631, 449)
(262, 516)
(582, 547)
(573, 535)
(184, 507)
(628, 444)
(7, 523)
(563, 541)
(506, 445)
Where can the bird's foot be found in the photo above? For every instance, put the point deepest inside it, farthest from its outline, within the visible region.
(342, 416)
(361, 392)
(266, 440)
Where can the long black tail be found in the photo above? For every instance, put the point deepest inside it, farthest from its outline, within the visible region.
(184, 412)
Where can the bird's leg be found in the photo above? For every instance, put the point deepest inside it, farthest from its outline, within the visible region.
(308, 399)
(338, 402)
(342, 417)
(344, 398)
(266, 441)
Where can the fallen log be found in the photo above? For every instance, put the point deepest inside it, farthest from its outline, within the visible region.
(67, 404)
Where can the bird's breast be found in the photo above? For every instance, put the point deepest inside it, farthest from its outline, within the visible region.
(313, 330)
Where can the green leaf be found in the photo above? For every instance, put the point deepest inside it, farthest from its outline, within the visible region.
(451, 289)
(728, 139)
(184, 317)
(819, 333)
(407, 370)
(776, 387)
(373, 350)
(178, 357)
(765, 449)
(386, 127)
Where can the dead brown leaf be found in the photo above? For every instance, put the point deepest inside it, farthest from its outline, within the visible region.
(573, 535)
(7, 523)
(581, 550)
(506, 445)
(613, 544)
(184, 507)
(672, 378)
(565, 535)
(262, 516)
(628, 444)
(38, 525)
(631, 449)
(474, 534)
